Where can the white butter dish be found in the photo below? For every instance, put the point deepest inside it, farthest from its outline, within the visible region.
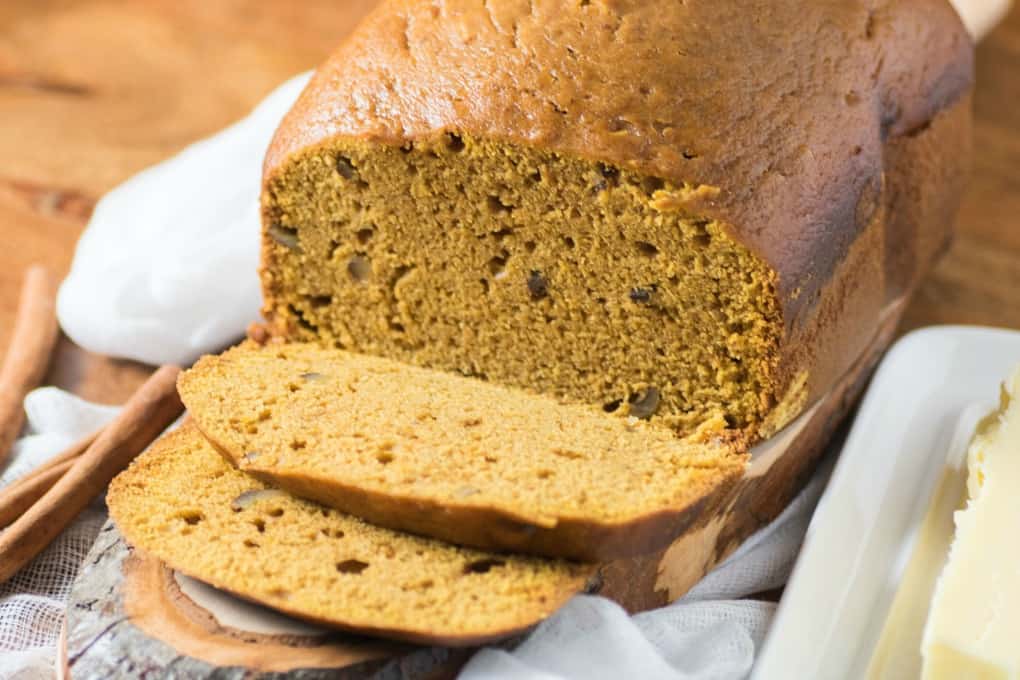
(913, 426)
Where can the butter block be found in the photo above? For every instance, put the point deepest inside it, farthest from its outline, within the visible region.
(973, 628)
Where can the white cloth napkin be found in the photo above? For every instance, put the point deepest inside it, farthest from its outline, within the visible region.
(709, 634)
(166, 269)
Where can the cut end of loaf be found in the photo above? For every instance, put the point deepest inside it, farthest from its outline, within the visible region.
(524, 267)
(184, 504)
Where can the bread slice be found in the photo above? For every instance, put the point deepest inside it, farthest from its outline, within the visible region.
(184, 504)
(452, 457)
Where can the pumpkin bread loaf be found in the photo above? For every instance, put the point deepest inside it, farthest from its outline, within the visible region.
(452, 457)
(185, 505)
(695, 210)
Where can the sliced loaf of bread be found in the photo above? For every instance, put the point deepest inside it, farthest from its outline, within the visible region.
(184, 504)
(454, 458)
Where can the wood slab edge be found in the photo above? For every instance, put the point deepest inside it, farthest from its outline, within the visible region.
(127, 618)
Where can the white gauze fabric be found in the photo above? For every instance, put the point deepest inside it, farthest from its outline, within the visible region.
(32, 604)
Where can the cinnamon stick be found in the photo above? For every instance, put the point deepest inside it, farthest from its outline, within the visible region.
(149, 411)
(15, 501)
(19, 495)
(28, 355)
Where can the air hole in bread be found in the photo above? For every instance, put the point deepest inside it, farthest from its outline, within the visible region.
(319, 301)
(191, 517)
(569, 242)
(646, 249)
(365, 235)
(496, 206)
(275, 512)
(248, 543)
(351, 566)
(567, 453)
(610, 174)
(302, 322)
(652, 184)
(454, 143)
(497, 265)
(260, 524)
(483, 566)
(331, 533)
(298, 444)
(502, 234)
(545, 474)
(384, 457)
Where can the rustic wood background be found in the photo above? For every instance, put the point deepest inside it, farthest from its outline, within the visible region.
(91, 91)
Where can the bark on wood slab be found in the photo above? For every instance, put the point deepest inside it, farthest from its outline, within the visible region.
(127, 618)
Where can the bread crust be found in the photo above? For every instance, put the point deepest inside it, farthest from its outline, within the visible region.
(803, 124)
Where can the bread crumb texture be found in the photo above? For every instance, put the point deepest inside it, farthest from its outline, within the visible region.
(525, 267)
(337, 425)
(184, 504)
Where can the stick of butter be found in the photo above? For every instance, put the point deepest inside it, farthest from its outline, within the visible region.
(973, 629)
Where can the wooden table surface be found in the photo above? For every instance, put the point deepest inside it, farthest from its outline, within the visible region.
(91, 91)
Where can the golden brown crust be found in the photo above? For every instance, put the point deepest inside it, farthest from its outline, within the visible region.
(794, 111)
